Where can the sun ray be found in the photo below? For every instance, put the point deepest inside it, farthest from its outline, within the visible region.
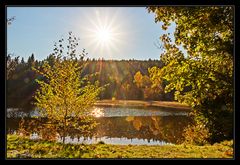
(104, 34)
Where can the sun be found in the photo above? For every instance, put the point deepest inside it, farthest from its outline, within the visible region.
(105, 33)
(104, 36)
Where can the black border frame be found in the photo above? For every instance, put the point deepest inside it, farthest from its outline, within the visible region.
(132, 3)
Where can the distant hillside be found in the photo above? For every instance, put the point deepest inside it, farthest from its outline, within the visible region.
(119, 76)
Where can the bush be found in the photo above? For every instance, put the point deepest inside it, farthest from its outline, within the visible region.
(196, 134)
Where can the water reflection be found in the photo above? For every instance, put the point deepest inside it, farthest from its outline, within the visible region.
(138, 111)
(116, 141)
(97, 112)
(147, 130)
(103, 111)
(158, 128)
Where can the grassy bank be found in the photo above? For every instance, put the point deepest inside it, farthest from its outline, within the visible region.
(140, 103)
(19, 147)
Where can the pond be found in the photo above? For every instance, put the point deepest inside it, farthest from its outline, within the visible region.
(125, 125)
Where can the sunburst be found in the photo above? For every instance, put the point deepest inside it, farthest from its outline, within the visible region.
(105, 33)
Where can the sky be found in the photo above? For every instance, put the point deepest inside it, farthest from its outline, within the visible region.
(104, 32)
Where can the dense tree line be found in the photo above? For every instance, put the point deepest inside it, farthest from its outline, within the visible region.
(118, 76)
(21, 84)
(120, 79)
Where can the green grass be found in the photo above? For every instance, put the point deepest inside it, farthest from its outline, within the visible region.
(20, 147)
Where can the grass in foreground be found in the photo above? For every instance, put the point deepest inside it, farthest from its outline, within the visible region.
(19, 147)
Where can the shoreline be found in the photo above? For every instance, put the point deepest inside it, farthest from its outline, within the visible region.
(141, 103)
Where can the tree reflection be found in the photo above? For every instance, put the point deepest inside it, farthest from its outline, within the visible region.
(162, 128)
(156, 128)
(50, 130)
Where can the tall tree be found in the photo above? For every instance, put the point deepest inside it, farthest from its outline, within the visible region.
(31, 60)
(202, 78)
(64, 97)
(22, 61)
(11, 65)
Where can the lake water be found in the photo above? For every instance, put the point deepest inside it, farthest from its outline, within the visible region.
(125, 125)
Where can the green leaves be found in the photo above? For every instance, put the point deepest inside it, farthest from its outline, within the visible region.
(63, 94)
(208, 63)
(151, 84)
(202, 78)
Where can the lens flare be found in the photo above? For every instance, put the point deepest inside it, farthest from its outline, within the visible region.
(105, 32)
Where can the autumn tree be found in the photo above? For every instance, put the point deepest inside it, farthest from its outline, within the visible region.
(203, 77)
(64, 97)
(149, 89)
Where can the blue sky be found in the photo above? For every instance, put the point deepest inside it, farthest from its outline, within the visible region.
(108, 32)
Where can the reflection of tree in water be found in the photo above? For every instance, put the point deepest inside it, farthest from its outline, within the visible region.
(50, 130)
(167, 128)
(162, 128)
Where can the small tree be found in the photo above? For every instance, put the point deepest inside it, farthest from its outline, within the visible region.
(64, 97)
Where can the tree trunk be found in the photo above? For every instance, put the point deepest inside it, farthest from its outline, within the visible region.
(65, 121)
(64, 137)
(64, 130)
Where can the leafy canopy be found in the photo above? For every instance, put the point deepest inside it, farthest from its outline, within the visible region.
(64, 95)
(205, 73)
(203, 77)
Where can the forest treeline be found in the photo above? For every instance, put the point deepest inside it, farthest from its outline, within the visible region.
(120, 77)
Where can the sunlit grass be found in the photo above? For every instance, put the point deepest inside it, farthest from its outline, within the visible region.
(19, 147)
